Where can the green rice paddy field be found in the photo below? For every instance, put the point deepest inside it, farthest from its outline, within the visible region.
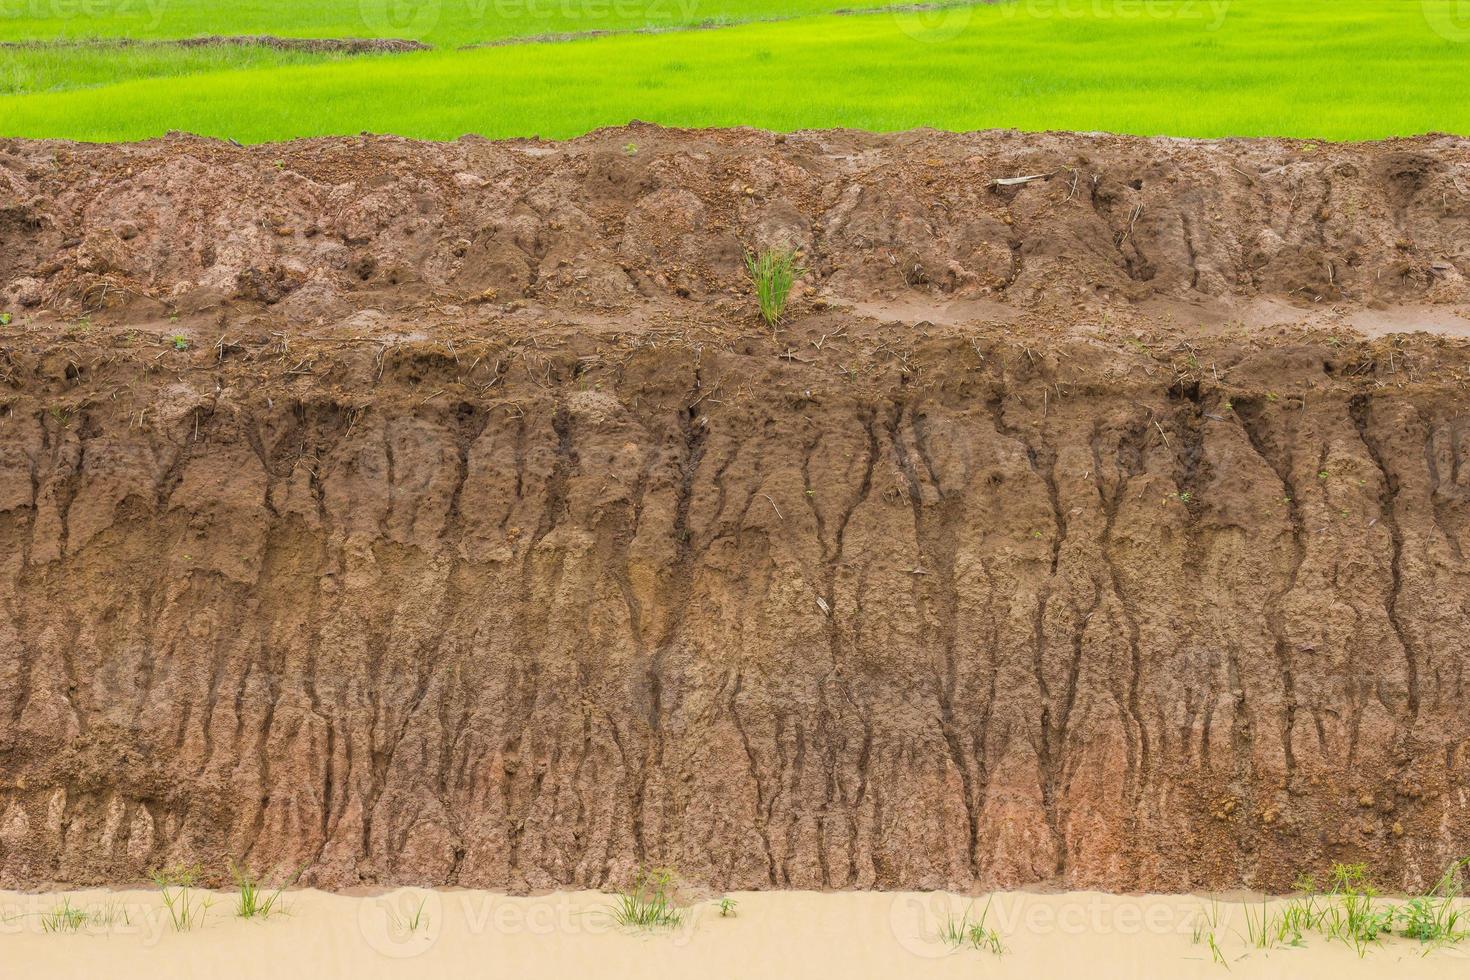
(1351, 69)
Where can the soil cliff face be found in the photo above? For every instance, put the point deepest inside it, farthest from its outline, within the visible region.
(324, 227)
(527, 591)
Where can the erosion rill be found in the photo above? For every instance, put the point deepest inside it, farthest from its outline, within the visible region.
(446, 514)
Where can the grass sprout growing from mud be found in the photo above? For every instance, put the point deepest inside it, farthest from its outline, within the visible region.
(1351, 911)
(1204, 932)
(1435, 917)
(1267, 928)
(774, 272)
(111, 914)
(649, 904)
(413, 921)
(963, 931)
(179, 886)
(65, 917)
(253, 901)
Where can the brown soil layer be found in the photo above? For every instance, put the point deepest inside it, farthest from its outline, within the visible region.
(442, 513)
(319, 45)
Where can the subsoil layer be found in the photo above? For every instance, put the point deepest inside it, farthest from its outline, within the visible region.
(444, 514)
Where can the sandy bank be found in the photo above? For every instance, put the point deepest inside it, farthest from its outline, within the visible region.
(846, 934)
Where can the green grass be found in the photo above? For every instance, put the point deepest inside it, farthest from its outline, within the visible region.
(1355, 915)
(1435, 917)
(1354, 69)
(410, 922)
(84, 58)
(964, 931)
(772, 272)
(441, 23)
(65, 917)
(56, 69)
(649, 904)
(1351, 911)
(179, 886)
(1206, 925)
(252, 901)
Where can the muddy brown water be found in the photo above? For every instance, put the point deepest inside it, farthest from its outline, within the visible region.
(442, 514)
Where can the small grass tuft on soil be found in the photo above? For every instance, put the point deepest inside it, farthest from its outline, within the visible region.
(65, 917)
(773, 271)
(649, 903)
(963, 931)
(253, 902)
(179, 886)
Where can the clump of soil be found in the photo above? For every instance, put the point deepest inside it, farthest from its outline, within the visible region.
(445, 513)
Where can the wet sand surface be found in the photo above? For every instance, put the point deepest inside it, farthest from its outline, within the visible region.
(807, 934)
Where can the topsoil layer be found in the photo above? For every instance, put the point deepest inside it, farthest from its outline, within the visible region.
(443, 513)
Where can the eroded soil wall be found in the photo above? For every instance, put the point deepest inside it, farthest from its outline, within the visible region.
(522, 597)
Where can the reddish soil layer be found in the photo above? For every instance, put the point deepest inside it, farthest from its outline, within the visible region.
(442, 513)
